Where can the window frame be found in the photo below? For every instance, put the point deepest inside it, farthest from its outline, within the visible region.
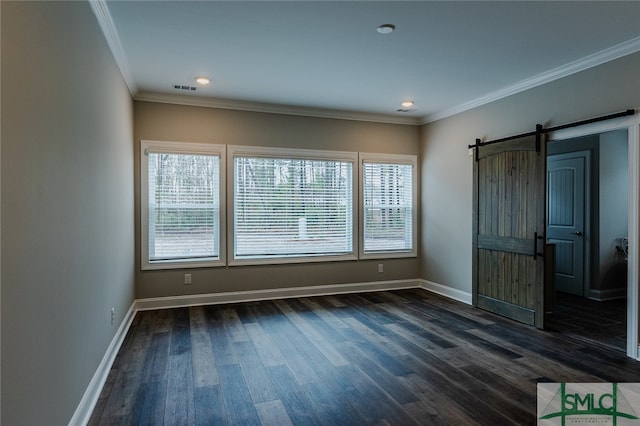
(234, 151)
(186, 148)
(400, 159)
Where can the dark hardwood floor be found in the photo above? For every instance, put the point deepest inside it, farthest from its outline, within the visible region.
(602, 323)
(398, 357)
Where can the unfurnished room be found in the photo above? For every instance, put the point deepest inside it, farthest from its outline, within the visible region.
(319, 212)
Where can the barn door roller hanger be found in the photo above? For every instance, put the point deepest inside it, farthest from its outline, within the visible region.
(540, 130)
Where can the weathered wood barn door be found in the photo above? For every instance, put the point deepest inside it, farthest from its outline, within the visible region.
(509, 197)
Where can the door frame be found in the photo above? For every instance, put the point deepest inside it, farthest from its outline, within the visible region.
(587, 259)
(632, 125)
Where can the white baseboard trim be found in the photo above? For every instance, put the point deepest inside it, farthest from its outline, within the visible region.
(608, 294)
(451, 293)
(270, 294)
(92, 393)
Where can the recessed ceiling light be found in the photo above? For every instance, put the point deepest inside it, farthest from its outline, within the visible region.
(386, 28)
(407, 104)
(203, 80)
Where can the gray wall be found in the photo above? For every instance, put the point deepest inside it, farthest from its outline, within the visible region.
(67, 207)
(446, 166)
(157, 121)
(614, 202)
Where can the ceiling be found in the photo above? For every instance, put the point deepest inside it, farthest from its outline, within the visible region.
(325, 58)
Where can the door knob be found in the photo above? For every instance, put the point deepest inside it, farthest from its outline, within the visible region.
(579, 233)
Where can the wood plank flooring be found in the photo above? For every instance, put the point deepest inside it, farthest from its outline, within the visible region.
(404, 357)
(603, 323)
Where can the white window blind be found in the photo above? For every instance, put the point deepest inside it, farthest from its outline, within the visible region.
(388, 207)
(183, 206)
(292, 207)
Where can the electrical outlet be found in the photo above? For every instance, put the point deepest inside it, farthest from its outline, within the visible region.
(113, 315)
(187, 278)
(380, 267)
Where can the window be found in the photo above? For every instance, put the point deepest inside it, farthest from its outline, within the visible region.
(388, 216)
(286, 205)
(181, 195)
(292, 205)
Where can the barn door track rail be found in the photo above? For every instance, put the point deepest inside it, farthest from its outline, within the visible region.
(541, 130)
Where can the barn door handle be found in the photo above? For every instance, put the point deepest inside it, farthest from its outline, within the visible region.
(536, 237)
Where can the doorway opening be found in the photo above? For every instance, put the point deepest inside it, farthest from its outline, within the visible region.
(588, 221)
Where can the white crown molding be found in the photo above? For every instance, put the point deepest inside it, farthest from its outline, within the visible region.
(101, 10)
(615, 52)
(274, 108)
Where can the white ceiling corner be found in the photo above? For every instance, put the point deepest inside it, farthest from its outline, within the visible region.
(325, 59)
(623, 49)
(275, 109)
(101, 11)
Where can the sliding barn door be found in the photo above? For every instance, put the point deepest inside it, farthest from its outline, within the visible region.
(508, 228)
